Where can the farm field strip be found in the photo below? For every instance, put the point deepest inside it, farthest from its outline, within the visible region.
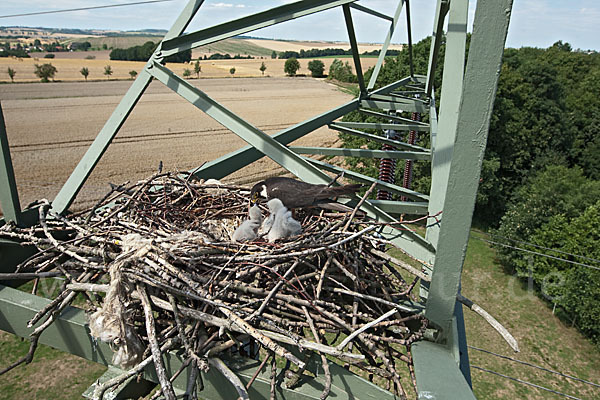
(68, 70)
(49, 134)
(137, 138)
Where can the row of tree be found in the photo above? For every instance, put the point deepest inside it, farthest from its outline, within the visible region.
(145, 51)
(48, 71)
(328, 52)
(539, 181)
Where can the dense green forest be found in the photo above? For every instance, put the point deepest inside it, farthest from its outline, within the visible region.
(540, 182)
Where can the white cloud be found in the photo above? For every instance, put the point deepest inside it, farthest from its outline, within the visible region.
(227, 5)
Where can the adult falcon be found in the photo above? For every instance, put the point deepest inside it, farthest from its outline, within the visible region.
(298, 194)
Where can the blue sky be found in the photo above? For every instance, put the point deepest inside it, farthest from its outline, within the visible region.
(537, 23)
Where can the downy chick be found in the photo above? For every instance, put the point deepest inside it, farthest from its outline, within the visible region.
(247, 231)
(283, 225)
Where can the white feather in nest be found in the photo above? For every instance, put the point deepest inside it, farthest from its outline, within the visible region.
(214, 191)
(112, 322)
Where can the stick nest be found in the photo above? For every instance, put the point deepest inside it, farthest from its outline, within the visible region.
(158, 271)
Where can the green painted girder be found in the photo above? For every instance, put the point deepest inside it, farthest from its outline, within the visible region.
(366, 153)
(384, 47)
(391, 106)
(390, 187)
(404, 82)
(70, 333)
(475, 110)
(9, 196)
(379, 139)
(231, 162)
(354, 47)
(401, 207)
(247, 24)
(397, 96)
(441, 10)
(386, 102)
(252, 135)
(409, 37)
(94, 153)
(381, 126)
(451, 92)
(370, 11)
(391, 117)
(437, 372)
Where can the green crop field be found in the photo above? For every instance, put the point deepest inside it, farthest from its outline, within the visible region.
(120, 42)
(236, 46)
(228, 46)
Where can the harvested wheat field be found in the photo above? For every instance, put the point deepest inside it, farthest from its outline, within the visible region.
(68, 69)
(51, 125)
(292, 45)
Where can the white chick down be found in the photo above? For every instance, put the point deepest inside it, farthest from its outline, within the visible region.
(282, 225)
(248, 230)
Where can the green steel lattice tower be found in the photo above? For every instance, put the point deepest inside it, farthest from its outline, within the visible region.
(457, 126)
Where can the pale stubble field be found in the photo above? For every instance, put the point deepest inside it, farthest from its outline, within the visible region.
(50, 126)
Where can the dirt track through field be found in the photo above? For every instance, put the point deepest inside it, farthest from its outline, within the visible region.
(50, 126)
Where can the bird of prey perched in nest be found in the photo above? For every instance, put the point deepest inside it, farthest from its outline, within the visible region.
(298, 194)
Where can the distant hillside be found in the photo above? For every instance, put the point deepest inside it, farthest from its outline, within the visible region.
(117, 39)
(116, 42)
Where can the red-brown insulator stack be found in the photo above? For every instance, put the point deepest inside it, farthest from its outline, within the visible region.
(408, 165)
(387, 168)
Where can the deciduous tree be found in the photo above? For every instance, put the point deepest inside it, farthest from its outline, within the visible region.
(11, 74)
(108, 71)
(45, 72)
(316, 67)
(291, 66)
(197, 68)
(85, 72)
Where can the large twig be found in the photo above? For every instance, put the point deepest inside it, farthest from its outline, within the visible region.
(165, 383)
(231, 377)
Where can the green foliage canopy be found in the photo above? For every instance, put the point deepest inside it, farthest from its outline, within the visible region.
(316, 67)
(11, 73)
(291, 66)
(144, 52)
(85, 72)
(45, 72)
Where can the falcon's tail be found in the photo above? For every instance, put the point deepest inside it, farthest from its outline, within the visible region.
(342, 190)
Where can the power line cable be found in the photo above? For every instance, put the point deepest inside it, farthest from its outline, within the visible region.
(83, 8)
(535, 366)
(525, 382)
(540, 254)
(542, 247)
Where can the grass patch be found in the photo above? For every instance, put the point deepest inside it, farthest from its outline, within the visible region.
(543, 339)
(52, 374)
